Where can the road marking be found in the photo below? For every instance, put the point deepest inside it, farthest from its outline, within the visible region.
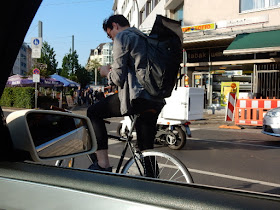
(110, 142)
(112, 131)
(237, 143)
(195, 129)
(234, 177)
(117, 157)
(219, 175)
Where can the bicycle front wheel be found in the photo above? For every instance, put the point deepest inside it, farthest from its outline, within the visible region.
(158, 165)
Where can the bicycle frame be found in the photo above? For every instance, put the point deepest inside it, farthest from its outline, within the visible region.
(128, 144)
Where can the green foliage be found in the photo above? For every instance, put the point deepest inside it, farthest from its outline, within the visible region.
(21, 97)
(92, 67)
(70, 63)
(24, 97)
(7, 97)
(83, 76)
(48, 58)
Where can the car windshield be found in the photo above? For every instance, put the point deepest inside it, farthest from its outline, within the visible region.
(220, 121)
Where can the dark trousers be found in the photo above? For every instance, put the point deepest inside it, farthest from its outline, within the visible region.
(110, 107)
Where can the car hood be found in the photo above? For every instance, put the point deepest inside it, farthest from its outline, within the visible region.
(275, 109)
(16, 17)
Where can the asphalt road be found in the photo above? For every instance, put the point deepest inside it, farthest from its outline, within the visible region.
(239, 159)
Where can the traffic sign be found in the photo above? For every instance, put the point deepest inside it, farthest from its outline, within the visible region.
(36, 42)
(36, 46)
(36, 71)
(36, 75)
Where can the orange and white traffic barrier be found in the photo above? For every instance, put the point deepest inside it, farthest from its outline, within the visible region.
(230, 106)
(251, 111)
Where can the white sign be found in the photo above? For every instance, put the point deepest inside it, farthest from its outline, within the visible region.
(242, 21)
(36, 53)
(36, 77)
(36, 46)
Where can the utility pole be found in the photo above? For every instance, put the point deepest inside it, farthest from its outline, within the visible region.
(40, 35)
(95, 76)
(72, 44)
(73, 68)
(40, 29)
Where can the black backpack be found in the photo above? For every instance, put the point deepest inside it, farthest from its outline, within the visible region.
(164, 56)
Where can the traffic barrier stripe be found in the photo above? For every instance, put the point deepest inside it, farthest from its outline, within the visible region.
(230, 106)
(251, 111)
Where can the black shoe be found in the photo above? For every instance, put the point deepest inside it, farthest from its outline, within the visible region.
(95, 165)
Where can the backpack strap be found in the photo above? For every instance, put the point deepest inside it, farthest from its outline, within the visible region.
(140, 33)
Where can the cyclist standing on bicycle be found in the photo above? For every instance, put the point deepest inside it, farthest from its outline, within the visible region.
(129, 55)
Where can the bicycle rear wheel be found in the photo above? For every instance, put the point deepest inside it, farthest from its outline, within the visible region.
(158, 165)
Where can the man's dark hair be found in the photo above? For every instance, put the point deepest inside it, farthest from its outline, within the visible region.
(120, 19)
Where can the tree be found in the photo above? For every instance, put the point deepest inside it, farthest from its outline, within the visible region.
(92, 67)
(83, 76)
(47, 63)
(48, 57)
(70, 64)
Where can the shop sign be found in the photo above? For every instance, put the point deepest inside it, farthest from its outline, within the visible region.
(242, 21)
(214, 54)
(233, 72)
(204, 27)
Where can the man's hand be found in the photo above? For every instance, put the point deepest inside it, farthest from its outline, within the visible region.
(104, 70)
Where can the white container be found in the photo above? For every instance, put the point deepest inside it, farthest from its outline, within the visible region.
(185, 103)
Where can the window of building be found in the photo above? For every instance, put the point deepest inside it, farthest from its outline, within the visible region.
(156, 2)
(148, 8)
(142, 15)
(179, 13)
(248, 5)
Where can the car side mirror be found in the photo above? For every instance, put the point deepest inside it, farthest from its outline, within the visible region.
(51, 135)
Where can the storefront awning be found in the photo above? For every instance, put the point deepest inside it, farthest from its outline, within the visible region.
(259, 42)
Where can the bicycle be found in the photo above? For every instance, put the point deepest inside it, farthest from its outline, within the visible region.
(149, 163)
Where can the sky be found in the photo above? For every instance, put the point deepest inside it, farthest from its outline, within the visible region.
(64, 18)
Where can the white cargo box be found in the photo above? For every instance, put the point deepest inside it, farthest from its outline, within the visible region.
(185, 103)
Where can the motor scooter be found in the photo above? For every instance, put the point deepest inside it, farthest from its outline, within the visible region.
(183, 105)
(171, 133)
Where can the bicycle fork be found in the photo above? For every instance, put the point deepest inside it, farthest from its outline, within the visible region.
(129, 144)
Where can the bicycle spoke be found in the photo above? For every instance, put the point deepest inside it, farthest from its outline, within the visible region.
(174, 174)
(179, 177)
(163, 166)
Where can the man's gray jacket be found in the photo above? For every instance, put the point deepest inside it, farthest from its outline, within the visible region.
(129, 54)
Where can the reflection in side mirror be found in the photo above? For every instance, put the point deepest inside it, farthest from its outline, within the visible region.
(58, 135)
(51, 135)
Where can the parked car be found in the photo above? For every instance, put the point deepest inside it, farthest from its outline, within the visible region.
(25, 184)
(271, 122)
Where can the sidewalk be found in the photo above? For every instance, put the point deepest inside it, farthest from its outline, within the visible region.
(209, 119)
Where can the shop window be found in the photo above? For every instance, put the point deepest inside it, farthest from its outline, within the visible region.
(252, 5)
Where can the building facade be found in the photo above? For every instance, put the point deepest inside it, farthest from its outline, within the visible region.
(225, 44)
(102, 53)
(23, 62)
